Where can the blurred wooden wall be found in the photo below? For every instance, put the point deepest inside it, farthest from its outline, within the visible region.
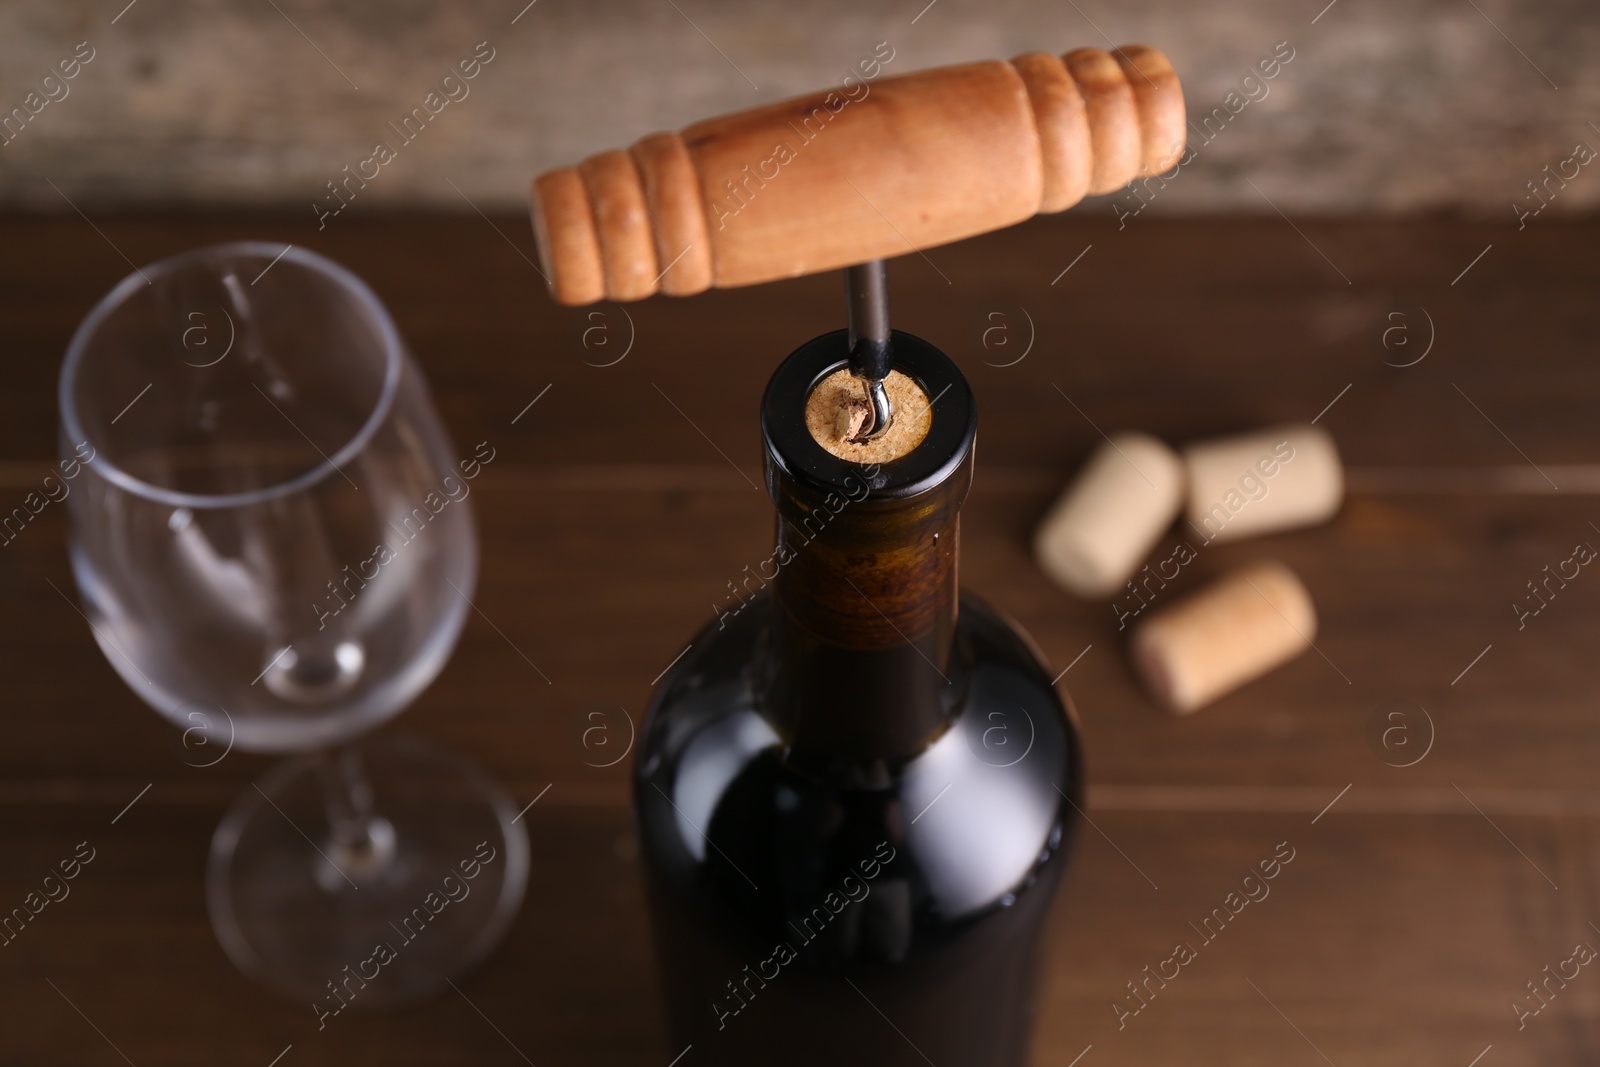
(1386, 106)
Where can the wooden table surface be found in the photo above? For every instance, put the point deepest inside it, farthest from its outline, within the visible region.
(1421, 899)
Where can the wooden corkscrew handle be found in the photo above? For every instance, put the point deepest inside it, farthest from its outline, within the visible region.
(844, 176)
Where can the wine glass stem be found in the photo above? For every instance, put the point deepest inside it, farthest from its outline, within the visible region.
(361, 843)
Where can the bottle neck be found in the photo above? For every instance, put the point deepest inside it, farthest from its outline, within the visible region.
(861, 667)
(863, 628)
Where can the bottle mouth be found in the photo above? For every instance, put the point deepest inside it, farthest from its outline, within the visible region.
(794, 455)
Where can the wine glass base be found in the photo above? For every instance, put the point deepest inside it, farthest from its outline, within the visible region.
(391, 925)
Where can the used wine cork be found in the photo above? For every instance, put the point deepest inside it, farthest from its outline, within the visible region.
(1232, 631)
(1105, 523)
(837, 409)
(1259, 482)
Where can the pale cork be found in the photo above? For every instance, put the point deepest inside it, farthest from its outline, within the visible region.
(837, 409)
(1256, 483)
(1230, 632)
(1105, 523)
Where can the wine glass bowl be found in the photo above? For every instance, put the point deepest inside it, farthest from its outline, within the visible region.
(268, 480)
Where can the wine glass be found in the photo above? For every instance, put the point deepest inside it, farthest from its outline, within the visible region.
(274, 547)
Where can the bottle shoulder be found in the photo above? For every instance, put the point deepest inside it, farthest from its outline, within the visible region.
(960, 829)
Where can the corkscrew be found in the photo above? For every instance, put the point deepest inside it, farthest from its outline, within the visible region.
(845, 179)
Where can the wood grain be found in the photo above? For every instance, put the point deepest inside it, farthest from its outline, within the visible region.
(197, 103)
(1183, 329)
(611, 524)
(1366, 942)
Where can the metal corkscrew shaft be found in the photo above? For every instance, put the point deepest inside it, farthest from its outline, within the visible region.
(871, 357)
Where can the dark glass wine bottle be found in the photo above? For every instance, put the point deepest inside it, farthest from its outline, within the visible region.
(856, 793)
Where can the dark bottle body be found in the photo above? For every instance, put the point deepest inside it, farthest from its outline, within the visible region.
(855, 795)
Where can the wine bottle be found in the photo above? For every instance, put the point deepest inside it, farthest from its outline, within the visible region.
(857, 792)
